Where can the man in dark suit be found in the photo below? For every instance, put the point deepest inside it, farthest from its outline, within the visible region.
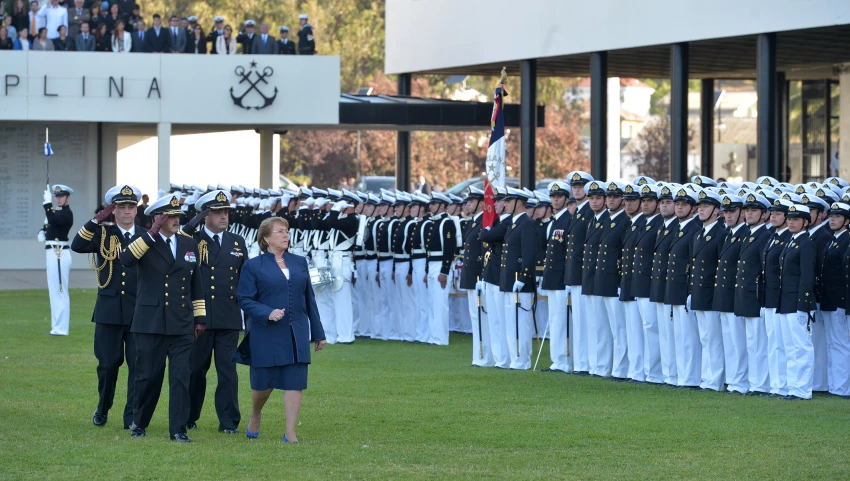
(641, 279)
(77, 15)
(554, 265)
(285, 45)
(471, 279)
(576, 234)
(221, 257)
(177, 36)
(599, 339)
(140, 45)
(770, 283)
(705, 256)
(84, 41)
(492, 239)
(246, 38)
(749, 296)
(686, 334)
(833, 306)
(797, 303)
(734, 327)
(170, 313)
(116, 296)
(631, 310)
(264, 44)
(157, 40)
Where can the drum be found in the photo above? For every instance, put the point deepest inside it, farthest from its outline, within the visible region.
(320, 276)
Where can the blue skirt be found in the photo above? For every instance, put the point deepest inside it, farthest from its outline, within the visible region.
(292, 377)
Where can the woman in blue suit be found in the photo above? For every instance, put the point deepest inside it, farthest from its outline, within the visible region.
(276, 294)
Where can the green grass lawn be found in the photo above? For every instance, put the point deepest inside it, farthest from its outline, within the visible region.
(388, 410)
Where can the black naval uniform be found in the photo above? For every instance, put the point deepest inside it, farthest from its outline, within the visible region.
(245, 40)
(664, 238)
(634, 233)
(590, 255)
(797, 282)
(727, 269)
(170, 304)
(678, 268)
(306, 42)
(833, 285)
(113, 312)
(770, 268)
(749, 288)
(220, 262)
(473, 254)
(286, 47)
(519, 251)
(705, 261)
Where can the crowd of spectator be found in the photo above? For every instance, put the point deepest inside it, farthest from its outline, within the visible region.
(117, 26)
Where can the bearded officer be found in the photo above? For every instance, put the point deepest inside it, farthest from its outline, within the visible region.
(576, 234)
(554, 266)
(440, 244)
(470, 276)
(633, 323)
(170, 313)
(221, 257)
(116, 296)
(59, 222)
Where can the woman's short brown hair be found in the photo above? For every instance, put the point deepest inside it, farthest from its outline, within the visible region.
(265, 230)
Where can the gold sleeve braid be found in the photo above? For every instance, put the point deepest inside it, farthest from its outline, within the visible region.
(138, 248)
(86, 234)
(199, 307)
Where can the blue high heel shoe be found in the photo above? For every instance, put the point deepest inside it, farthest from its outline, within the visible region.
(251, 435)
(287, 441)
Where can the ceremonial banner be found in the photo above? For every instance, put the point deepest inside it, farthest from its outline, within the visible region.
(495, 155)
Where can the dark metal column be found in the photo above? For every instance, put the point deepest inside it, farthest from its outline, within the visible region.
(402, 153)
(679, 112)
(766, 87)
(528, 123)
(707, 127)
(781, 125)
(599, 115)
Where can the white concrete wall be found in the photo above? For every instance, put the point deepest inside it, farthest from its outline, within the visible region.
(431, 34)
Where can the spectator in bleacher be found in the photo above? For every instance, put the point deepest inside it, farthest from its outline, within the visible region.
(215, 32)
(20, 17)
(97, 16)
(62, 43)
(246, 37)
(54, 15)
(264, 44)
(225, 44)
(306, 42)
(125, 7)
(23, 41)
(76, 17)
(285, 46)
(84, 41)
(113, 18)
(6, 43)
(139, 43)
(156, 38)
(197, 43)
(10, 28)
(132, 20)
(36, 19)
(122, 41)
(41, 41)
(102, 40)
(178, 36)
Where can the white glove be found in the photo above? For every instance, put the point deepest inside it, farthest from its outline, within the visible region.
(761, 312)
(232, 206)
(309, 202)
(479, 286)
(518, 285)
(338, 206)
(568, 290)
(184, 207)
(688, 302)
(618, 292)
(321, 202)
(539, 280)
(802, 318)
(48, 199)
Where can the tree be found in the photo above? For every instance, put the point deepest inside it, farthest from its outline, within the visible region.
(651, 148)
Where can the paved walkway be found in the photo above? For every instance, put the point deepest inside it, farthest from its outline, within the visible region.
(37, 279)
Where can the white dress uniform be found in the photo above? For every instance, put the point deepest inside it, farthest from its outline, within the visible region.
(58, 259)
(325, 294)
(441, 245)
(421, 309)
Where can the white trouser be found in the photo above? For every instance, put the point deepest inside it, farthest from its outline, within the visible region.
(325, 300)
(735, 351)
(602, 341)
(541, 313)
(820, 368)
(579, 331)
(361, 298)
(388, 299)
(372, 300)
(342, 304)
(711, 342)
(634, 340)
(558, 340)
(456, 321)
(757, 372)
(776, 362)
(439, 299)
(651, 346)
(799, 353)
(687, 346)
(496, 321)
(667, 343)
(519, 342)
(407, 321)
(60, 302)
(481, 354)
(838, 342)
(422, 309)
(617, 326)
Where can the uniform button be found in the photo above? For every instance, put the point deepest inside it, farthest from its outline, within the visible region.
(122, 292)
(212, 297)
(166, 294)
(182, 288)
(182, 305)
(123, 283)
(184, 278)
(123, 274)
(212, 287)
(212, 268)
(166, 276)
(231, 297)
(166, 303)
(231, 268)
(212, 278)
(166, 285)
(231, 278)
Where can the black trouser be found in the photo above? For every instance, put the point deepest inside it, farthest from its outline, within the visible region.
(223, 342)
(151, 352)
(112, 343)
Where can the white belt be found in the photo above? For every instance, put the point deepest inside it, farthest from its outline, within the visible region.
(371, 253)
(56, 243)
(435, 253)
(417, 251)
(401, 256)
(319, 253)
(341, 254)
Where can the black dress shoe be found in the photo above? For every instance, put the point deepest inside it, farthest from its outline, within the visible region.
(581, 373)
(229, 431)
(547, 370)
(99, 419)
(792, 397)
(191, 425)
(137, 432)
(181, 438)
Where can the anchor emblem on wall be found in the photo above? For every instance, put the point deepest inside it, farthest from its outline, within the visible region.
(257, 83)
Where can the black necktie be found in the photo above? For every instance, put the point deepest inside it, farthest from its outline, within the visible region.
(168, 241)
(127, 236)
(217, 241)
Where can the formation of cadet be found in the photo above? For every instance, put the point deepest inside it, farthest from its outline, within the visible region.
(705, 285)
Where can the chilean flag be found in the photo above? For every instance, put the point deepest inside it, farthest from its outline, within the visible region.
(495, 158)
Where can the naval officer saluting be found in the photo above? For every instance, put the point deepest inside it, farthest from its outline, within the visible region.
(170, 313)
(116, 296)
(59, 221)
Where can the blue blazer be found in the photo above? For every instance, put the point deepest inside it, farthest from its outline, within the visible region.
(263, 288)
